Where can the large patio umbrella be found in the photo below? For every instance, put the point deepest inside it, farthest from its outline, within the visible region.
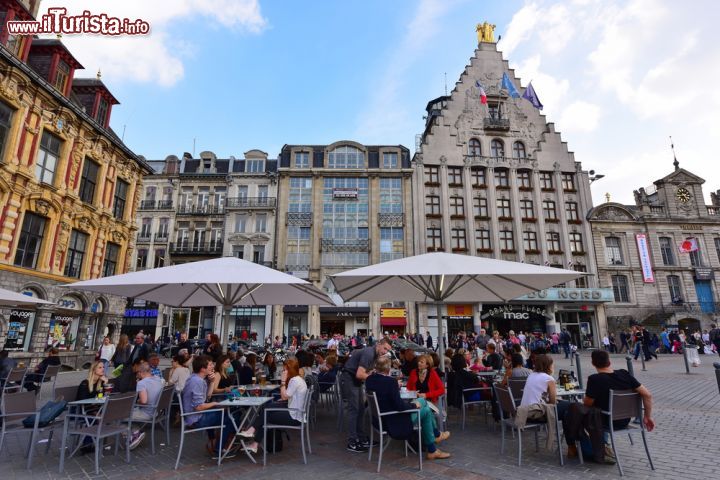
(8, 298)
(444, 277)
(222, 282)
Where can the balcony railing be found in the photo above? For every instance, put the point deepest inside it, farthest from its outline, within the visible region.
(299, 219)
(144, 237)
(201, 210)
(391, 219)
(498, 160)
(691, 307)
(657, 210)
(494, 123)
(332, 245)
(161, 237)
(187, 248)
(713, 211)
(156, 205)
(251, 202)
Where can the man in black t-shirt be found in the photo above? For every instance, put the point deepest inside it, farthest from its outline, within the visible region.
(597, 392)
(357, 368)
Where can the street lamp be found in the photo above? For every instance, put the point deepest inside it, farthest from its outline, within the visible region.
(594, 177)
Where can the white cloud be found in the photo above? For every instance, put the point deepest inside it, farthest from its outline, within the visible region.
(157, 57)
(551, 91)
(579, 116)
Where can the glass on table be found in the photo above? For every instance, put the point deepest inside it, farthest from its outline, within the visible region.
(241, 390)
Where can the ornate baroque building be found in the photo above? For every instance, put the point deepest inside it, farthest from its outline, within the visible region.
(640, 254)
(342, 206)
(69, 189)
(497, 180)
(200, 208)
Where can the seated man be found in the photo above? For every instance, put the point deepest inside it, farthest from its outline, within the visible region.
(154, 361)
(597, 394)
(195, 399)
(32, 379)
(387, 392)
(492, 359)
(149, 387)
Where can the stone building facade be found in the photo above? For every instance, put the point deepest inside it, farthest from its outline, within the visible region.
(642, 253)
(201, 208)
(69, 189)
(495, 179)
(342, 206)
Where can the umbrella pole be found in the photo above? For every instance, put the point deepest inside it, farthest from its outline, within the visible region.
(441, 336)
(225, 325)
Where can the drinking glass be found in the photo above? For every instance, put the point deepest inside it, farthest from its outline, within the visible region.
(257, 391)
(242, 390)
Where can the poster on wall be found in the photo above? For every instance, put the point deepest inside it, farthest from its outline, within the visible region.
(645, 263)
(20, 326)
(63, 332)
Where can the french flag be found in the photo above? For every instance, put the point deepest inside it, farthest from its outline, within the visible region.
(483, 95)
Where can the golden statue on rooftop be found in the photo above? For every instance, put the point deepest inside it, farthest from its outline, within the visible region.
(485, 32)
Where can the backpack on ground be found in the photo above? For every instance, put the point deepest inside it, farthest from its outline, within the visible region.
(49, 412)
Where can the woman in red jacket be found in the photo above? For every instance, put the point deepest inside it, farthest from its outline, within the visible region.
(425, 380)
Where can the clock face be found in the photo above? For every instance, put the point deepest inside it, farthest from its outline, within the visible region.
(682, 195)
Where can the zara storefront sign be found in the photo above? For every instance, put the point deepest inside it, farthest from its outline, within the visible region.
(583, 295)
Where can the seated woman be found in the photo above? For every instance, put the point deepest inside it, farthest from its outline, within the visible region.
(292, 390)
(328, 373)
(179, 373)
(516, 369)
(425, 380)
(269, 365)
(94, 383)
(387, 393)
(540, 385)
(223, 380)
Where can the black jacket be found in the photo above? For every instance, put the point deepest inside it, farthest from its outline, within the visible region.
(387, 392)
(580, 419)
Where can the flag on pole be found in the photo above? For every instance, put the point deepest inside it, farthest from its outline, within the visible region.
(508, 85)
(483, 95)
(532, 97)
(688, 245)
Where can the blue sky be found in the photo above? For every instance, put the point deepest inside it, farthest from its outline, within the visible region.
(617, 77)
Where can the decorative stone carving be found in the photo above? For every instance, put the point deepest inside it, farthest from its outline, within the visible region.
(556, 166)
(84, 223)
(118, 237)
(612, 213)
(42, 207)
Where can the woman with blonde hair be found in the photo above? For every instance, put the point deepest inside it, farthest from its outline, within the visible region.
(425, 380)
(94, 383)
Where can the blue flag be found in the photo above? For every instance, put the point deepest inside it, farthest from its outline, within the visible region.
(508, 85)
(532, 97)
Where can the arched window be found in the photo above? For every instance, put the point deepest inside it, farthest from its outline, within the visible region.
(346, 157)
(474, 149)
(497, 148)
(519, 150)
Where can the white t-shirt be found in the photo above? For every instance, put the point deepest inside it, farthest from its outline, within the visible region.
(107, 352)
(296, 390)
(535, 386)
(179, 376)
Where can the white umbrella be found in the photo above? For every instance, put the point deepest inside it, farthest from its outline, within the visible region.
(446, 277)
(221, 282)
(9, 298)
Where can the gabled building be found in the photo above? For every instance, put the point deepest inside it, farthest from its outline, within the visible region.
(660, 255)
(492, 177)
(69, 190)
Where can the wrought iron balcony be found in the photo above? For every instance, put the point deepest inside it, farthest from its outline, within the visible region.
(299, 219)
(356, 245)
(391, 219)
(495, 123)
(201, 210)
(251, 202)
(156, 205)
(188, 248)
(161, 237)
(144, 237)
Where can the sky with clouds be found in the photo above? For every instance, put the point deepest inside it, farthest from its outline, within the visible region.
(618, 77)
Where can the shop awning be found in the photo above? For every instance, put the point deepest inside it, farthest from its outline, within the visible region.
(393, 322)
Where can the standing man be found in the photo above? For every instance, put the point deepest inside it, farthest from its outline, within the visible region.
(357, 368)
(429, 341)
(565, 342)
(482, 339)
(624, 345)
(140, 349)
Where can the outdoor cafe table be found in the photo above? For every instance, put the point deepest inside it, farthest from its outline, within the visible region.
(264, 389)
(574, 394)
(408, 394)
(252, 404)
(81, 405)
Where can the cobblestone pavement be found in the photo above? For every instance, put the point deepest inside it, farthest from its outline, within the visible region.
(684, 445)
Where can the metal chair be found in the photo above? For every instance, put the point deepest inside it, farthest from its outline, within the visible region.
(466, 403)
(626, 405)
(441, 415)
(161, 415)
(112, 420)
(14, 380)
(166, 374)
(184, 429)
(15, 408)
(304, 426)
(517, 387)
(339, 403)
(508, 411)
(69, 394)
(376, 424)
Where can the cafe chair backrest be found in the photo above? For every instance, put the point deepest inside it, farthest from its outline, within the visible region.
(16, 406)
(118, 407)
(505, 398)
(625, 404)
(16, 375)
(166, 397)
(517, 386)
(69, 394)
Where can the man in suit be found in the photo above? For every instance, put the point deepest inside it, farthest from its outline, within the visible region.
(428, 341)
(387, 393)
(140, 350)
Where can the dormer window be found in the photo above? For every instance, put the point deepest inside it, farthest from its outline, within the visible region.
(254, 166)
(102, 111)
(207, 166)
(62, 75)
